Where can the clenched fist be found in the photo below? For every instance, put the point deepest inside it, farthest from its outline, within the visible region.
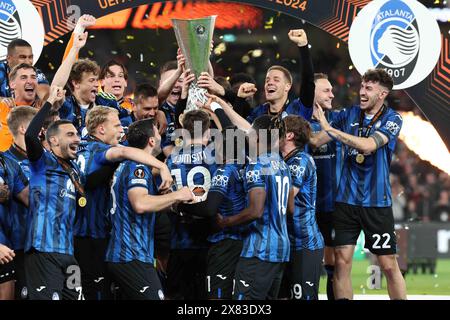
(298, 36)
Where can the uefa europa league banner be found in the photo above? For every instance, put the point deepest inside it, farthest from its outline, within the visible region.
(400, 36)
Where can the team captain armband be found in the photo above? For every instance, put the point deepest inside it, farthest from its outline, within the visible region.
(378, 138)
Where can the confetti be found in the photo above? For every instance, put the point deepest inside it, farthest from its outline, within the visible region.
(338, 45)
(128, 55)
(269, 24)
(277, 56)
(130, 37)
(141, 57)
(245, 59)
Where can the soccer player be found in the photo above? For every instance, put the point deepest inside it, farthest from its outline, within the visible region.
(146, 102)
(11, 175)
(279, 82)
(193, 166)
(328, 160)
(56, 187)
(363, 201)
(96, 158)
(130, 253)
(20, 51)
(18, 122)
(114, 80)
(226, 197)
(169, 92)
(82, 79)
(23, 80)
(304, 268)
(266, 244)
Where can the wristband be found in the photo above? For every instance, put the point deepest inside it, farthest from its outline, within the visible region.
(78, 29)
(215, 106)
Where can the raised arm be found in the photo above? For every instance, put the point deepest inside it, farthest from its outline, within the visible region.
(33, 144)
(307, 75)
(166, 87)
(235, 118)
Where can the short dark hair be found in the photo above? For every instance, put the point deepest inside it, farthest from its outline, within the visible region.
(193, 116)
(80, 67)
(13, 73)
(145, 90)
(318, 76)
(285, 71)
(231, 137)
(242, 78)
(105, 69)
(268, 123)
(223, 82)
(139, 132)
(300, 128)
(380, 76)
(17, 43)
(169, 65)
(53, 128)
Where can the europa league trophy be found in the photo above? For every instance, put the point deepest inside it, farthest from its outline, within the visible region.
(194, 38)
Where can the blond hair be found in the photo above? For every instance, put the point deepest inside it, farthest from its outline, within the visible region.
(19, 116)
(97, 116)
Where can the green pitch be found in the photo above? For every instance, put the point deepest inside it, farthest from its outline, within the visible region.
(417, 284)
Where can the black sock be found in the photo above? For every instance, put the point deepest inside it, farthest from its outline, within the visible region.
(330, 272)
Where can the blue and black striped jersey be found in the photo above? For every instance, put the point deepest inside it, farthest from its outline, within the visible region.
(303, 230)
(268, 238)
(132, 234)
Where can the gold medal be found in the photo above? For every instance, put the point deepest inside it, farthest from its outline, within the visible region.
(360, 158)
(178, 142)
(82, 202)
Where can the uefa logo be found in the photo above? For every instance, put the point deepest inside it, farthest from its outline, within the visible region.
(20, 19)
(400, 36)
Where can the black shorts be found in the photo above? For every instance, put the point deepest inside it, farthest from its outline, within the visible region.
(325, 223)
(376, 223)
(186, 274)
(21, 290)
(95, 279)
(137, 280)
(223, 257)
(257, 280)
(7, 271)
(52, 276)
(302, 275)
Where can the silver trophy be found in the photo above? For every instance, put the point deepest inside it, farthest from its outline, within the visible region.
(194, 38)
